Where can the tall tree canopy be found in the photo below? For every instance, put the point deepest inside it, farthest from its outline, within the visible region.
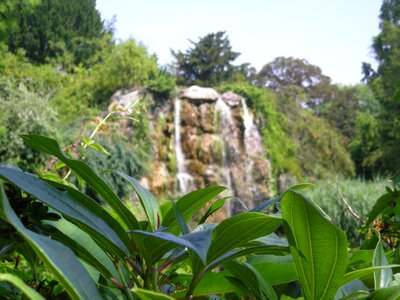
(208, 63)
(55, 28)
(385, 81)
(283, 72)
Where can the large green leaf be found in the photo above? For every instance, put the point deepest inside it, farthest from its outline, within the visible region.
(58, 258)
(50, 146)
(362, 273)
(98, 210)
(147, 200)
(19, 283)
(389, 293)
(383, 277)
(248, 275)
(81, 212)
(154, 245)
(188, 205)
(238, 230)
(150, 295)
(275, 269)
(84, 247)
(380, 205)
(318, 247)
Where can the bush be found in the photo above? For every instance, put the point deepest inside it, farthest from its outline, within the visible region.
(23, 112)
(127, 65)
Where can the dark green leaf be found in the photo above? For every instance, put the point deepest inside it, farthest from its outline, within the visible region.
(57, 257)
(147, 200)
(19, 283)
(381, 204)
(189, 204)
(213, 208)
(154, 245)
(50, 146)
(238, 230)
(81, 212)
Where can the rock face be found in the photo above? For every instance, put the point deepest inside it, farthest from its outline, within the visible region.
(212, 133)
(199, 93)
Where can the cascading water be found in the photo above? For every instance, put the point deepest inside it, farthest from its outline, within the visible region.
(184, 179)
(252, 143)
(226, 128)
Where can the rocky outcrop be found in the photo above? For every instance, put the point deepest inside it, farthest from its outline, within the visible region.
(199, 93)
(212, 140)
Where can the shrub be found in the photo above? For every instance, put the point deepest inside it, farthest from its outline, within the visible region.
(23, 111)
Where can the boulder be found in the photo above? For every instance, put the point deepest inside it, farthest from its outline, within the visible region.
(231, 99)
(198, 93)
(190, 142)
(188, 114)
(122, 102)
(207, 117)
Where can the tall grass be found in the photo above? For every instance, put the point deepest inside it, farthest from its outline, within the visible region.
(360, 194)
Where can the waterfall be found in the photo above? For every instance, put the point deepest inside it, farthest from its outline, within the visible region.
(252, 144)
(226, 128)
(184, 179)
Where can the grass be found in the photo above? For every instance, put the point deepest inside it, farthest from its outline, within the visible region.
(361, 196)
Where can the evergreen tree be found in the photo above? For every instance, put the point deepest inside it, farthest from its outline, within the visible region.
(57, 28)
(208, 63)
(385, 81)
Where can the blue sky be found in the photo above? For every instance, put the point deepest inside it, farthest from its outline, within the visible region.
(335, 35)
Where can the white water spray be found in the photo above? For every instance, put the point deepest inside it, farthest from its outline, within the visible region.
(184, 179)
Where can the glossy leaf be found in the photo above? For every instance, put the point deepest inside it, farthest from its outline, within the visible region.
(147, 200)
(97, 209)
(238, 230)
(236, 253)
(81, 212)
(248, 275)
(381, 204)
(19, 283)
(275, 269)
(318, 247)
(360, 274)
(50, 146)
(154, 245)
(383, 277)
(389, 293)
(150, 295)
(84, 247)
(57, 257)
(213, 208)
(189, 204)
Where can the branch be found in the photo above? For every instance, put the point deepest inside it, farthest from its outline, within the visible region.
(354, 214)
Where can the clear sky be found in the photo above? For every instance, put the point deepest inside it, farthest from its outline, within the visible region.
(335, 35)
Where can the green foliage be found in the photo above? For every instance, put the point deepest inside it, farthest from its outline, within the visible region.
(208, 63)
(128, 258)
(22, 111)
(385, 83)
(284, 72)
(54, 29)
(161, 85)
(126, 66)
(130, 153)
(361, 196)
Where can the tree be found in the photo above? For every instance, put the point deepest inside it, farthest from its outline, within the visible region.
(385, 81)
(208, 62)
(56, 28)
(283, 72)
